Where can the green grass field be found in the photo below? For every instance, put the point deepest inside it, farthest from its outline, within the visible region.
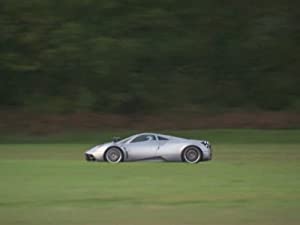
(254, 178)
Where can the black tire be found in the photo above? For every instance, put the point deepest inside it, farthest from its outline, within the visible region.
(114, 155)
(192, 154)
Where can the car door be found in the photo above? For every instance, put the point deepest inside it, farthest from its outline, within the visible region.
(142, 147)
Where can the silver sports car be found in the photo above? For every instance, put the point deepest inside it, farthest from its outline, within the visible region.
(151, 146)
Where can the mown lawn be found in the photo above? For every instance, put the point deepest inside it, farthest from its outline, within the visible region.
(254, 178)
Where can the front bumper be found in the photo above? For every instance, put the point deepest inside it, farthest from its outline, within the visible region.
(89, 157)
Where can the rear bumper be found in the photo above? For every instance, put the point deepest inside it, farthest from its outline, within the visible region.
(208, 155)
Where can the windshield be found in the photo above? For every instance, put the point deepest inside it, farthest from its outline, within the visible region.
(124, 140)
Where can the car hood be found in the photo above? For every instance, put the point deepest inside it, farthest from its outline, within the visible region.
(99, 147)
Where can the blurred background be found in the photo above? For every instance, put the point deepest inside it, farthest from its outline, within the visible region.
(89, 64)
(75, 73)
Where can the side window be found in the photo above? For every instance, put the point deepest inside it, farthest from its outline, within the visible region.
(142, 138)
(160, 138)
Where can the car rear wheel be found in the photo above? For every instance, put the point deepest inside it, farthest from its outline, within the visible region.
(192, 154)
(114, 155)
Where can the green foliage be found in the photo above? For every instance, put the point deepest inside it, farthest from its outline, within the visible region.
(143, 56)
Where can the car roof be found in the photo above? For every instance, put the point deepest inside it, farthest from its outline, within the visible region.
(161, 135)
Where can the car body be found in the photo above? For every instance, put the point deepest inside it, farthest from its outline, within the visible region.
(151, 146)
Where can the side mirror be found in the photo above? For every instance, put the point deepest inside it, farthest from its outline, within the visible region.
(116, 139)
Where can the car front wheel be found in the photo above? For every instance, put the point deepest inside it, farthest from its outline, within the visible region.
(114, 155)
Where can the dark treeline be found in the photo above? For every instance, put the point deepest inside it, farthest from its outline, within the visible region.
(127, 56)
